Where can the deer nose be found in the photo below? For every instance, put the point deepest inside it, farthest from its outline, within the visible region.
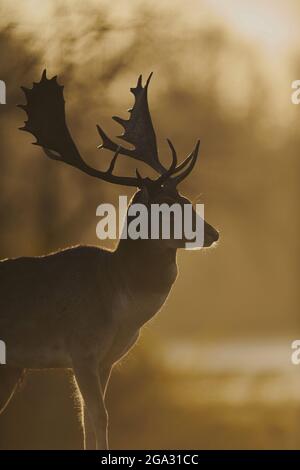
(216, 235)
(211, 236)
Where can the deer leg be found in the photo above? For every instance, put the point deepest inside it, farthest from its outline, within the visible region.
(104, 377)
(88, 381)
(89, 442)
(10, 378)
(89, 435)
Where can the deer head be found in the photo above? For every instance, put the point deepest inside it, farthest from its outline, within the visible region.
(45, 108)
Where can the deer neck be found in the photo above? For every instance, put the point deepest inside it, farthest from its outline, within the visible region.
(147, 270)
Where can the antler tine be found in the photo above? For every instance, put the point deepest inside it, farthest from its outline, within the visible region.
(113, 161)
(172, 167)
(108, 175)
(184, 163)
(174, 158)
(189, 163)
(108, 144)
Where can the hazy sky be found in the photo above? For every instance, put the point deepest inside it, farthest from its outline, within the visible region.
(270, 27)
(272, 24)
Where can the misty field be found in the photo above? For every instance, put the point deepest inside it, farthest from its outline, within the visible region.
(239, 402)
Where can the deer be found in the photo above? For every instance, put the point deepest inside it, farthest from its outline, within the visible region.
(82, 307)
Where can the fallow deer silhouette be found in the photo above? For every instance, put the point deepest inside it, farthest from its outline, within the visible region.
(82, 308)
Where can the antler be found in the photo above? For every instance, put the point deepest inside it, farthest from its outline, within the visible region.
(45, 109)
(187, 165)
(138, 130)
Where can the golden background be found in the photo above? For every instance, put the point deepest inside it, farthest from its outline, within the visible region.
(213, 369)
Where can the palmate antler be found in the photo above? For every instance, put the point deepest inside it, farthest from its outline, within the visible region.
(45, 109)
(138, 130)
